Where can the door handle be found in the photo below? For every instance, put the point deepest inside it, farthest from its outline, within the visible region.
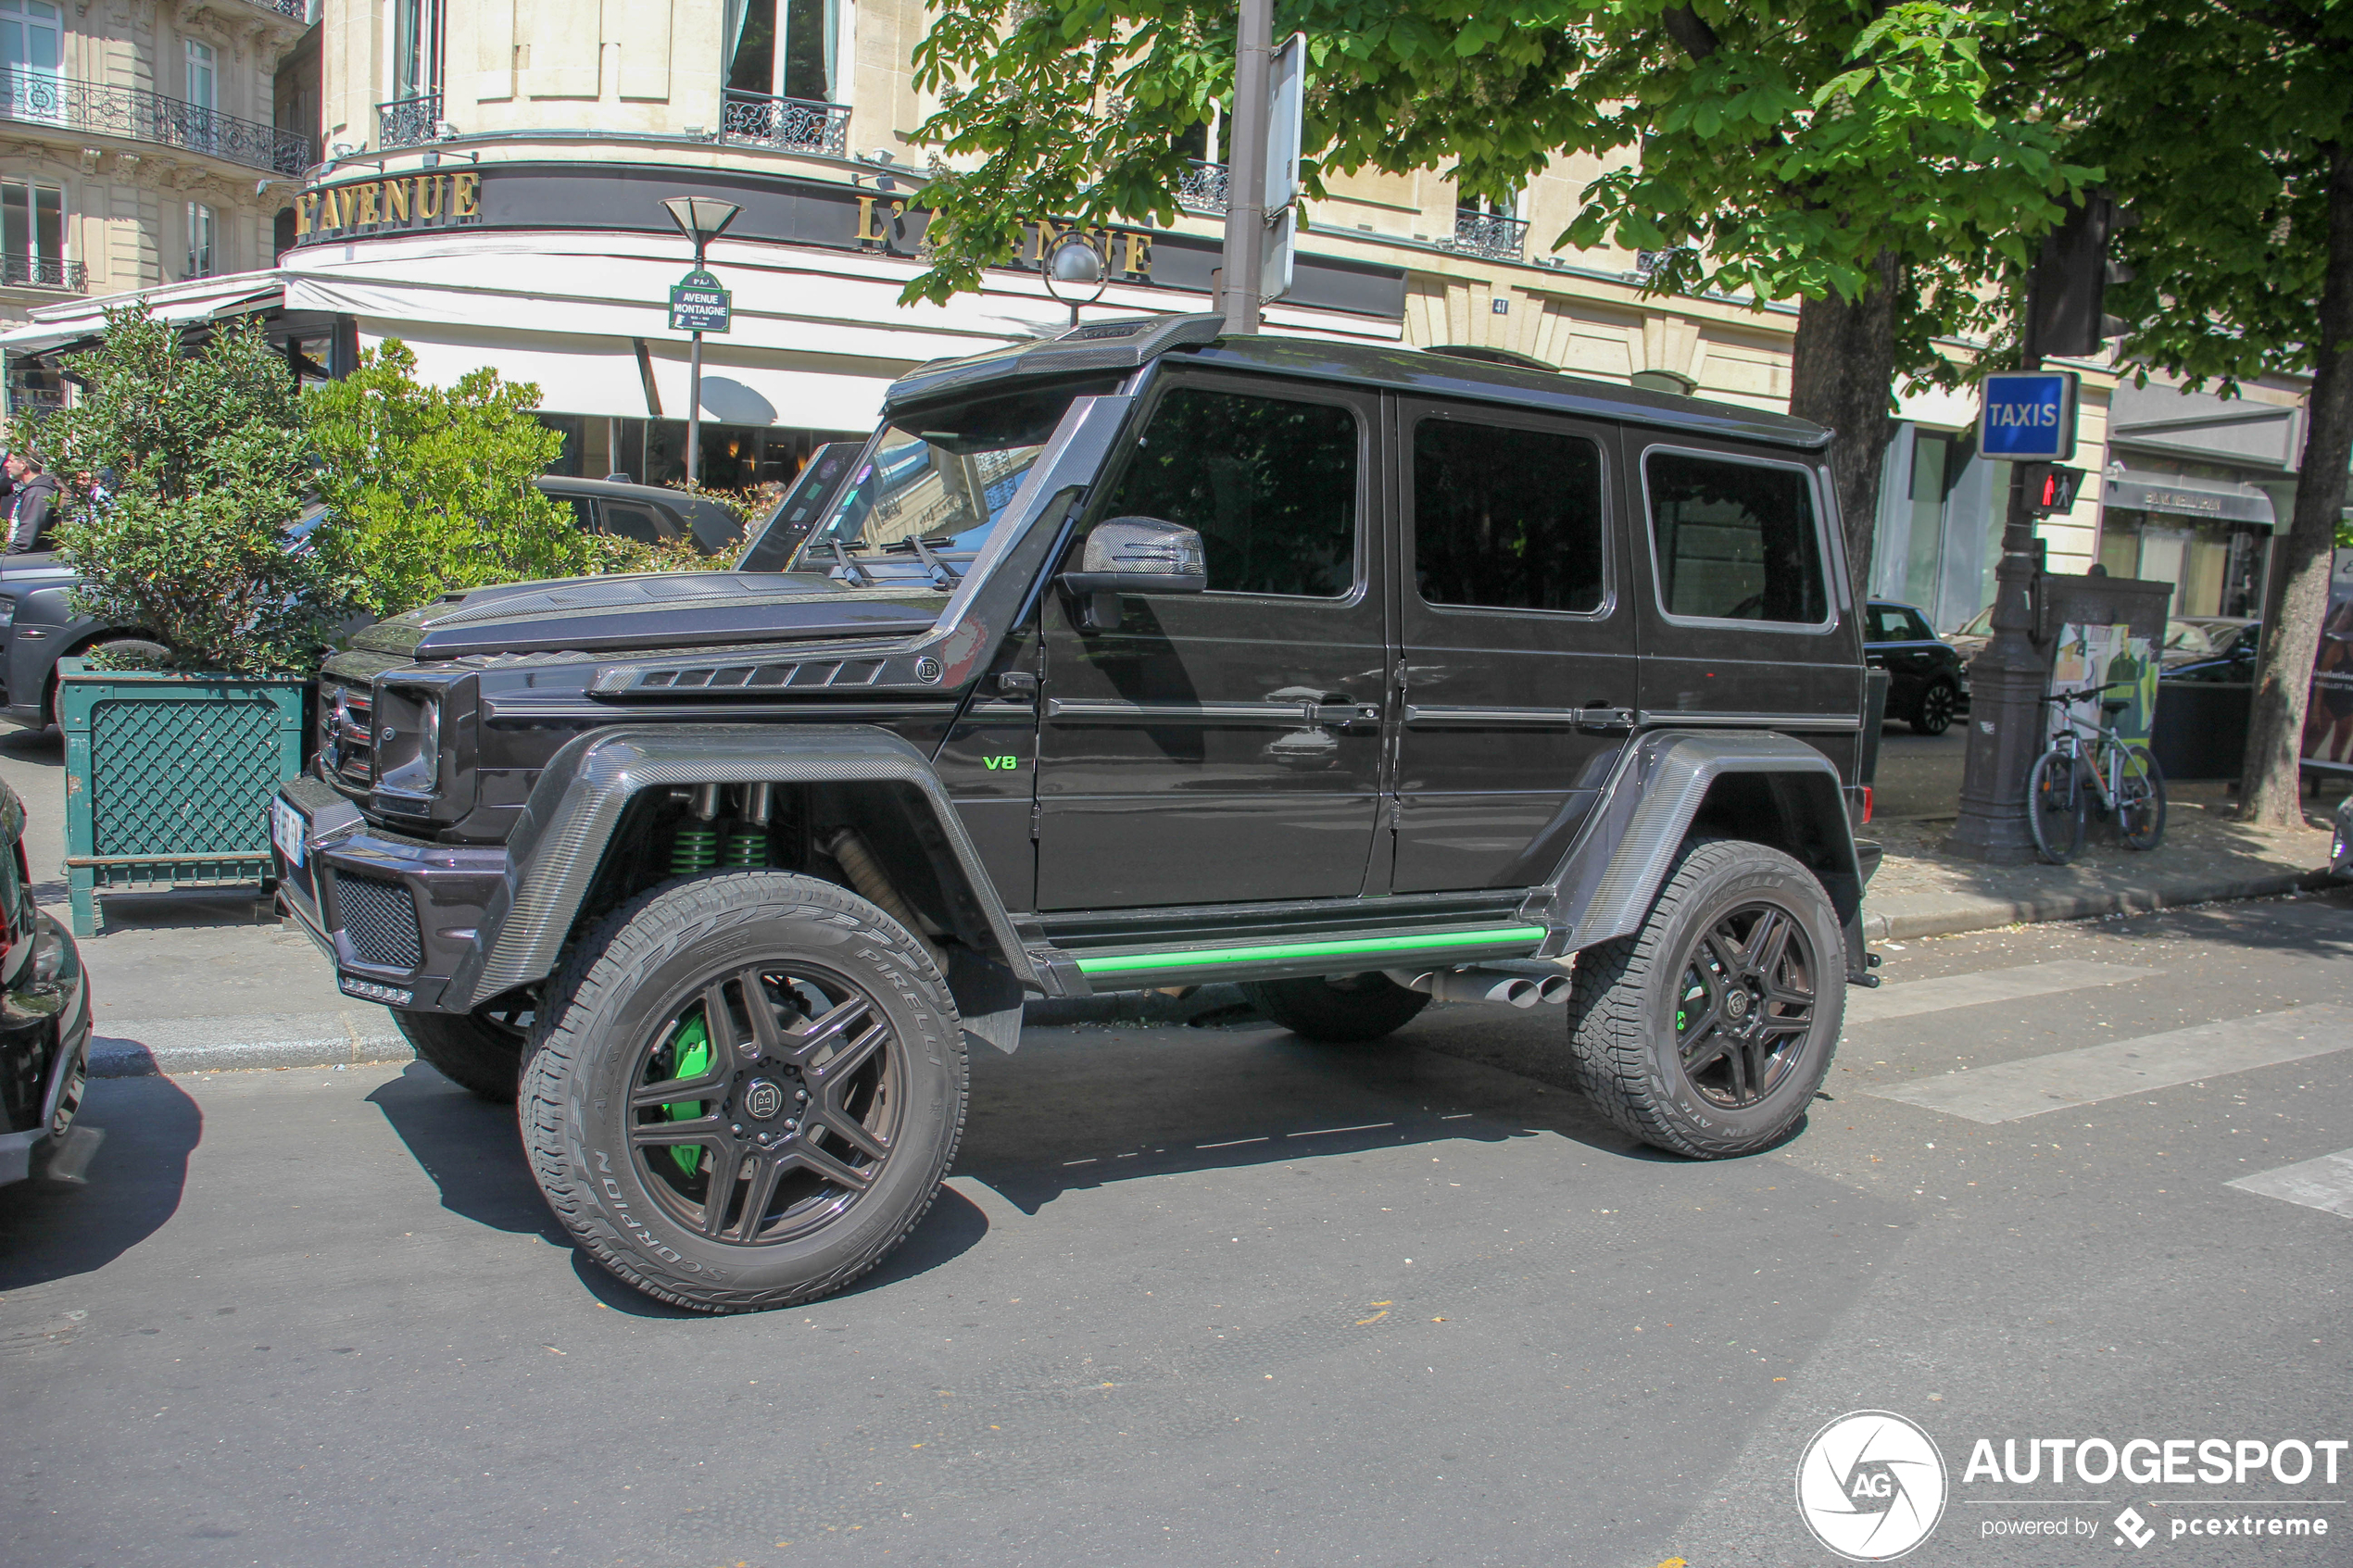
(1597, 717)
(1341, 715)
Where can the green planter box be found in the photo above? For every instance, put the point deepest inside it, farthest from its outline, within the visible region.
(169, 776)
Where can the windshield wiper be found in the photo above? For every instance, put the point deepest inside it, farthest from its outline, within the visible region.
(942, 578)
(855, 575)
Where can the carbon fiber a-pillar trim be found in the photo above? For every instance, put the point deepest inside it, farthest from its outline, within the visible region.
(559, 839)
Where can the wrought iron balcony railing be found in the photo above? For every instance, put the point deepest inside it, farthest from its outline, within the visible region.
(1490, 234)
(32, 98)
(408, 122)
(1202, 187)
(791, 125)
(43, 272)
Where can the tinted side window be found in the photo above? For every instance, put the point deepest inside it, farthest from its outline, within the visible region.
(1506, 517)
(583, 517)
(1736, 541)
(1888, 624)
(633, 522)
(1268, 484)
(1916, 628)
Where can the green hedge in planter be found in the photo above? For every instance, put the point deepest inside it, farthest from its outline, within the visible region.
(169, 776)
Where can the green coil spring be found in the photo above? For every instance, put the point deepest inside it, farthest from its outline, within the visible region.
(695, 849)
(748, 848)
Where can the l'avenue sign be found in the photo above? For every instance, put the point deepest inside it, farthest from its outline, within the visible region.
(412, 201)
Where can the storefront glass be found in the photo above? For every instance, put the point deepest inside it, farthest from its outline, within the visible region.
(654, 451)
(2216, 568)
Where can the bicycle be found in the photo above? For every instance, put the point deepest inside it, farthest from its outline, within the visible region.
(2087, 759)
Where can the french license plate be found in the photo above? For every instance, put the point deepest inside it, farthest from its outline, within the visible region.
(286, 831)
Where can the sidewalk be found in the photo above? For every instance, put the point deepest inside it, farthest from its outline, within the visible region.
(2206, 857)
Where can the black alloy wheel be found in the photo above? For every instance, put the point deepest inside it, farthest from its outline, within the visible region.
(743, 1089)
(1933, 715)
(1707, 1032)
(1747, 1004)
(767, 1103)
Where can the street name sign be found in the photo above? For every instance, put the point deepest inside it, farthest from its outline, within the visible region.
(2028, 417)
(699, 304)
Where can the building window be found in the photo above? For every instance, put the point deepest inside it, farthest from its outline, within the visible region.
(785, 48)
(200, 236)
(31, 34)
(204, 76)
(416, 48)
(33, 233)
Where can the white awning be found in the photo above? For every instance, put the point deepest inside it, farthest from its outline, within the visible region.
(180, 304)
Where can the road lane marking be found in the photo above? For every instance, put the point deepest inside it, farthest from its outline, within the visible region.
(2325, 1183)
(2011, 1090)
(1911, 997)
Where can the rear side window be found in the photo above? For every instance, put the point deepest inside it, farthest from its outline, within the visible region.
(1735, 541)
(1507, 519)
(1268, 484)
(1889, 625)
(632, 520)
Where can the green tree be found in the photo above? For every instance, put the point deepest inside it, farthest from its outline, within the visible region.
(433, 484)
(207, 467)
(1883, 164)
(2227, 129)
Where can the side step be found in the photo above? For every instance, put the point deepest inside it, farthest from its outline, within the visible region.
(1086, 970)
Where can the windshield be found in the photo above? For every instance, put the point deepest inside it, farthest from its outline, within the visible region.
(944, 475)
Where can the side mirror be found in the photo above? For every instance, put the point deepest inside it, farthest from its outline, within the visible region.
(1134, 555)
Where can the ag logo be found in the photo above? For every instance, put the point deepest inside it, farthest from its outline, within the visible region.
(1870, 1486)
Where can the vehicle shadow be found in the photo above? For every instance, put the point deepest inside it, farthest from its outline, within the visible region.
(471, 1149)
(130, 1188)
(1076, 1108)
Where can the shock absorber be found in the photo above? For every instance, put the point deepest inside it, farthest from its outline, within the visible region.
(748, 844)
(696, 846)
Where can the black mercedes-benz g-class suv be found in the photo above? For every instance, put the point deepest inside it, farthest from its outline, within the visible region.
(1145, 655)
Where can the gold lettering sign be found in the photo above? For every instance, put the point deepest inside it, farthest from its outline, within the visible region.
(876, 219)
(385, 206)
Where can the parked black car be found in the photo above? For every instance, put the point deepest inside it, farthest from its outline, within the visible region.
(1143, 657)
(1927, 683)
(651, 514)
(2235, 652)
(45, 1014)
(40, 626)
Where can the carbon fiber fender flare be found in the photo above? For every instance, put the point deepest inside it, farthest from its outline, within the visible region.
(1605, 885)
(558, 841)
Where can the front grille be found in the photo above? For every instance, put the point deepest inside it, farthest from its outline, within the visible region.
(380, 919)
(347, 735)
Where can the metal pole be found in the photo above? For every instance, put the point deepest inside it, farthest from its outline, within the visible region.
(1238, 278)
(694, 412)
(694, 397)
(2007, 680)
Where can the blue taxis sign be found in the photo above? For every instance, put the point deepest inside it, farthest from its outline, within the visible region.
(2029, 418)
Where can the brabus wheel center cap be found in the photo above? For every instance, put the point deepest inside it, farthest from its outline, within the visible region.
(1736, 1005)
(762, 1100)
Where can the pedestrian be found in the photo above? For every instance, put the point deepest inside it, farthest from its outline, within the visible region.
(28, 509)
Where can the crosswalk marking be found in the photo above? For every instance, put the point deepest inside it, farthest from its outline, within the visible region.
(1911, 997)
(2014, 1090)
(2325, 1183)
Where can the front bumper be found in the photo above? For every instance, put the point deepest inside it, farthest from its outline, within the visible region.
(44, 1028)
(397, 915)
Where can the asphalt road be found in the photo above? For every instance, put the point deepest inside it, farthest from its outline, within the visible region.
(1215, 1296)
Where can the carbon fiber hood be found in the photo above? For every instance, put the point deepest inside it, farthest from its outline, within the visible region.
(652, 610)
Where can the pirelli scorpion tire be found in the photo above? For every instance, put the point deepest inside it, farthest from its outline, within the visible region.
(474, 1052)
(1707, 1032)
(1338, 1008)
(743, 1089)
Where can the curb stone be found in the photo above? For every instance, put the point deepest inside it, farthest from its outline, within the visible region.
(1950, 916)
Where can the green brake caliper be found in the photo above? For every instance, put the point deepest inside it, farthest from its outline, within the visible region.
(690, 1047)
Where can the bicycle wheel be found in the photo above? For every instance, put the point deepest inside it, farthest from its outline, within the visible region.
(2055, 807)
(2140, 799)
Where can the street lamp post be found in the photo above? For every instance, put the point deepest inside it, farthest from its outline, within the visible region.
(701, 219)
(1072, 265)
